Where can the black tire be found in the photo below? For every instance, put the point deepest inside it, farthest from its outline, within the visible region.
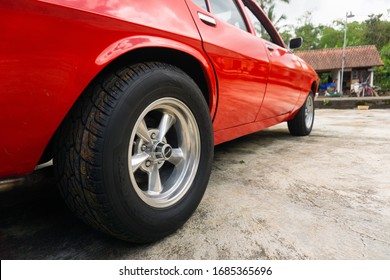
(302, 123)
(134, 155)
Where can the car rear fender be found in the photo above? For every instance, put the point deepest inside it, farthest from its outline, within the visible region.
(55, 53)
(125, 46)
(302, 98)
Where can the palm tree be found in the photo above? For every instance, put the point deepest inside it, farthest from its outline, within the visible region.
(269, 6)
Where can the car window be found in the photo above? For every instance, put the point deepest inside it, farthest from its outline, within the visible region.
(228, 11)
(260, 31)
(201, 3)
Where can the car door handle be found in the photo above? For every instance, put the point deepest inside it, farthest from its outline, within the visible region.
(270, 48)
(207, 19)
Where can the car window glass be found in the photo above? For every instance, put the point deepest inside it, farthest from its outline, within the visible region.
(201, 3)
(227, 11)
(260, 31)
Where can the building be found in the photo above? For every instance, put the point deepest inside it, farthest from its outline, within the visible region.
(359, 64)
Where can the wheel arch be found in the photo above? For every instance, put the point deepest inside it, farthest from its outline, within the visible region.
(314, 87)
(189, 58)
(141, 49)
(200, 72)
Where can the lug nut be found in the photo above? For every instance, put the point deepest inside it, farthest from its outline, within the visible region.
(147, 163)
(153, 135)
(143, 148)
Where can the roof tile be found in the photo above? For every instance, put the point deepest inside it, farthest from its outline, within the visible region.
(330, 59)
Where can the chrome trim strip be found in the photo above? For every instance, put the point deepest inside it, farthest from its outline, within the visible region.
(43, 165)
(8, 184)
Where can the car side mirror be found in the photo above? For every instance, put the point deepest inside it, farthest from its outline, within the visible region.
(295, 43)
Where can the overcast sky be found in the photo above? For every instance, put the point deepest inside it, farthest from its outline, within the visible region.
(326, 11)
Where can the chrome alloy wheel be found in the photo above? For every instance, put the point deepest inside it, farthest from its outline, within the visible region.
(309, 111)
(164, 152)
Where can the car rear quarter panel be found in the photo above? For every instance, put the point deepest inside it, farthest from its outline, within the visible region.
(309, 83)
(51, 50)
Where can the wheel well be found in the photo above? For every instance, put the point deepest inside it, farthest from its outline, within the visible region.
(314, 88)
(179, 59)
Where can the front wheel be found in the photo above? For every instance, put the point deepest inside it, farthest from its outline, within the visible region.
(136, 152)
(302, 123)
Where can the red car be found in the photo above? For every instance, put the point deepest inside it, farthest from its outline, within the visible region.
(129, 98)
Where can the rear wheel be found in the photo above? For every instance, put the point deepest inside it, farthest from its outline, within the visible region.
(135, 154)
(302, 123)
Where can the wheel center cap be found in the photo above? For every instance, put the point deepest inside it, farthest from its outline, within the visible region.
(163, 151)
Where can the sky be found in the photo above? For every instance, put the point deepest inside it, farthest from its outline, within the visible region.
(326, 11)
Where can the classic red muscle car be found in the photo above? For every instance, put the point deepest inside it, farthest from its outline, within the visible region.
(129, 98)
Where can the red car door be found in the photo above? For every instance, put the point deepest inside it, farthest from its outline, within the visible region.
(283, 89)
(241, 64)
(285, 76)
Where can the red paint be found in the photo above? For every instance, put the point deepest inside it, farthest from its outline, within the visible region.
(51, 50)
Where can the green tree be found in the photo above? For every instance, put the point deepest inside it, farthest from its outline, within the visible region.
(377, 31)
(330, 37)
(309, 32)
(333, 37)
(356, 33)
(383, 73)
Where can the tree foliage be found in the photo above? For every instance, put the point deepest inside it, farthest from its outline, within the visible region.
(383, 74)
(309, 32)
(377, 31)
(333, 37)
(268, 7)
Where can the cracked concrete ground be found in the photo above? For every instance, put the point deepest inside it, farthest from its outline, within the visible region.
(271, 196)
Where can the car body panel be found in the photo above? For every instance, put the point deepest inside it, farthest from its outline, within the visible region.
(50, 53)
(51, 50)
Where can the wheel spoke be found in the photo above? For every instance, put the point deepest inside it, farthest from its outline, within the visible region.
(137, 160)
(142, 132)
(166, 123)
(154, 184)
(177, 156)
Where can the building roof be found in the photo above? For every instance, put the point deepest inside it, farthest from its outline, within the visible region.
(331, 59)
